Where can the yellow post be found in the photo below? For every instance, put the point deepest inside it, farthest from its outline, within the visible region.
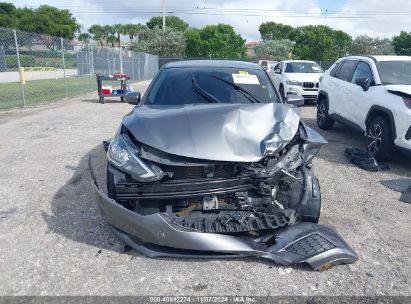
(23, 76)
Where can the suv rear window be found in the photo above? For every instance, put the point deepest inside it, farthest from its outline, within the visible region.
(347, 70)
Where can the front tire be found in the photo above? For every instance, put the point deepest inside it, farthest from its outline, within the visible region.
(379, 139)
(324, 121)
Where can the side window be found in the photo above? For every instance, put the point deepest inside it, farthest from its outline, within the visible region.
(335, 69)
(277, 66)
(362, 70)
(347, 69)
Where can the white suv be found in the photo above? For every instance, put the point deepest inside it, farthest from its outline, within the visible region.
(372, 94)
(297, 77)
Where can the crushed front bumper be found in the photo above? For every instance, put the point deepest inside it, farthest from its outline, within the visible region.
(155, 235)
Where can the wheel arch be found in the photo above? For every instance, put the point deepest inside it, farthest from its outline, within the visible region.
(375, 111)
(322, 95)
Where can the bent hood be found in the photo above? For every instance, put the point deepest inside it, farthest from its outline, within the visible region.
(219, 132)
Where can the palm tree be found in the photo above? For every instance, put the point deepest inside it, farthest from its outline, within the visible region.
(133, 30)
(110, 34)
(84, 37)
(98, 33)
(118, 29)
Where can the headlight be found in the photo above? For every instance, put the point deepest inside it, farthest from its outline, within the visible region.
(294, 82)
(122, 156)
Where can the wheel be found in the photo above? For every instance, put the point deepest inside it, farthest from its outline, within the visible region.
(101, 99)
(282, 92)
(379, 138)
(323, 119)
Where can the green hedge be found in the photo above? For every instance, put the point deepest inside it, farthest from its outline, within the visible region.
(25, 61)
(32, 61)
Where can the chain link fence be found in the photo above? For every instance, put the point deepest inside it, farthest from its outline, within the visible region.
(40, 68)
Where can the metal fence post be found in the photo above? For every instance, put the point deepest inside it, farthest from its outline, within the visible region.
(121, 60)
(19, 65)
(89, 66)
(64, 66)
(108, 60)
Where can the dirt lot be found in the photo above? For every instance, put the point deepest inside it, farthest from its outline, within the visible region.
(54, 241)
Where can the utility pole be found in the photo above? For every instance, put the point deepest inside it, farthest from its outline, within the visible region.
(164, 14)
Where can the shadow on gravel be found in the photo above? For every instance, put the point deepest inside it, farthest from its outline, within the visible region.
(74, 211)
(106, 100)
(341, 137)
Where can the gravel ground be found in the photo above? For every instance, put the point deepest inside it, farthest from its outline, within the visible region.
(54, 241)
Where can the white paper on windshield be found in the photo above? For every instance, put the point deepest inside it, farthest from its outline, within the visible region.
(316, 68)
(245, 79)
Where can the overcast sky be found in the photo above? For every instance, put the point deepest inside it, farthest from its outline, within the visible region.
(383, 18)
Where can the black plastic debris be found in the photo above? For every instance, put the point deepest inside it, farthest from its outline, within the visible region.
(402, 185)
(398, 185)
(364, 159)
(106, 143)
(406, 196)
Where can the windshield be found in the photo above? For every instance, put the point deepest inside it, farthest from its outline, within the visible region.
(177, 86)
(395, 72)
(302, 67)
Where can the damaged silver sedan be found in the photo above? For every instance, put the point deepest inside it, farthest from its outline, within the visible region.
(211, 163)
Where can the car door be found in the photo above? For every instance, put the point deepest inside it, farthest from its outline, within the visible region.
(357, 99)
(341, 88)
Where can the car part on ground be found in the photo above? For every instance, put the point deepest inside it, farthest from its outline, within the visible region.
(364, 160)
(400, 185)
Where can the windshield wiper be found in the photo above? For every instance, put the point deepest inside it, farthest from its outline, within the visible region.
(202, 92)
(250, 96)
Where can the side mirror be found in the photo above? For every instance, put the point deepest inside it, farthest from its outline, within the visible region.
(296, 100)
(363, 81)
(133, 98)
(277, 71)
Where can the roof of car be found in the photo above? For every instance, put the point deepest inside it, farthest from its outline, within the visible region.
(213, 63)
(380, 58)
(288, 61)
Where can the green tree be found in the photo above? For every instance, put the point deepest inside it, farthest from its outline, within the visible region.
(133, 30)
(97, 33)
(48, 20)
(173, 22)
(274, 49)
(194, 44)
(109, 34)
(158, 42)
(8, 16)
(320, 42)
(119, 30)
(366, 45)
(402, 43)
(221, 41)
(275, 31)
(84, 37)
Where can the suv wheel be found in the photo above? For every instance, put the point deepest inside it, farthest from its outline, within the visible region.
(323, 119)
(379, 139)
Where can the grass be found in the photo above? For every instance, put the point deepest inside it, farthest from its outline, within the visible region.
(43, 91)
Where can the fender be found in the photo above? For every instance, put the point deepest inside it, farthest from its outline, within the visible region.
(390, 117)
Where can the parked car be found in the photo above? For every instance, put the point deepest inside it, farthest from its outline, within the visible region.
(297, 77)
(212, 163)
(371, 94)
(268, 65)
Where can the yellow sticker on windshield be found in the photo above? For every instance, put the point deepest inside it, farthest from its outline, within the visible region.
(243, 72)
